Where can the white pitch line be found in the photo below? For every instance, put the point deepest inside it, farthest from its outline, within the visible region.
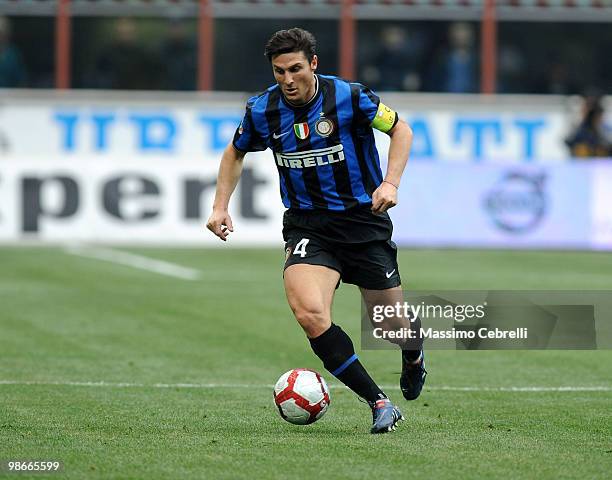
(245, 385)
(522, 389)
(135, 261)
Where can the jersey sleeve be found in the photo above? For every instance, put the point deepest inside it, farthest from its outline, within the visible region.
(374, 113)
(246, 138)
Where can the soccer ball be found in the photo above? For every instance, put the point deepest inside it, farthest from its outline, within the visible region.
(302, 396)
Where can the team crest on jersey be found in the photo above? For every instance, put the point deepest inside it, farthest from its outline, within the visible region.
(324, 127)
(301, 130)
(240, 129)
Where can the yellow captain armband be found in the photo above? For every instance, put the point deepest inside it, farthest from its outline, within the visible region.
(385, 118)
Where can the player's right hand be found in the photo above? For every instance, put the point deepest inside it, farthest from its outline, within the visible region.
(220, 223)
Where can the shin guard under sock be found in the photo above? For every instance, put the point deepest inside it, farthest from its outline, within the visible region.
(335, 349)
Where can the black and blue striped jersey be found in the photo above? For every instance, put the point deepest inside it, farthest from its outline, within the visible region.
(324, 150)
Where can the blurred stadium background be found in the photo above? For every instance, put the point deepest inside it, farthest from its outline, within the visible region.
(494, 91)
(113, 116)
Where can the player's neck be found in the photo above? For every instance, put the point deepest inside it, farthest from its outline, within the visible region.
(314, 89)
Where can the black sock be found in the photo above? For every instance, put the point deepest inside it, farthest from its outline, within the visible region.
(335, 348)
(411, 355)
(411, 350)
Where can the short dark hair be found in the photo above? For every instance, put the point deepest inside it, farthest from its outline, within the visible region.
(292, 40)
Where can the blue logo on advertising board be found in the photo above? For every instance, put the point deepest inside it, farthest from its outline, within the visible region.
(517, 203)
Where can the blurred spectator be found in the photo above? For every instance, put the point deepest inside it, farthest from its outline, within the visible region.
(12, 69)
(559, 82)
(456, 66)
(395, 66)
(555, 78)
(125, 63)
(590, 139)
(179, 54)
(510, 69)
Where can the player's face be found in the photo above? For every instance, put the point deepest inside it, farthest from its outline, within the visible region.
(295, 76)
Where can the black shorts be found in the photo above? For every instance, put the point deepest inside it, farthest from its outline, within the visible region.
(356, 243)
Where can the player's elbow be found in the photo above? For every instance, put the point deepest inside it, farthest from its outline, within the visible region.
(402, 129)
(232, 153)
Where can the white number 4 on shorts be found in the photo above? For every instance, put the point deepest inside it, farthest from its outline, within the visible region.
(300, 248)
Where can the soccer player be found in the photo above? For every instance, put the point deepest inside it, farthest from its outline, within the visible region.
(335, 226)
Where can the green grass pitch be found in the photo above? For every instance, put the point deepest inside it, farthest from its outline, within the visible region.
(68, 322)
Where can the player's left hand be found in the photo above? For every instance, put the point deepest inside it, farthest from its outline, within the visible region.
(384, 198)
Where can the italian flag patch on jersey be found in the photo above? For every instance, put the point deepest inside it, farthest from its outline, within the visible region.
(301, 130)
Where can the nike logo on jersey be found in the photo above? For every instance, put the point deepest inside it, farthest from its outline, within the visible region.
(388, 274)
(276, 137)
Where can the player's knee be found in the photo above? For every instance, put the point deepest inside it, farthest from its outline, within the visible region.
(314, 320)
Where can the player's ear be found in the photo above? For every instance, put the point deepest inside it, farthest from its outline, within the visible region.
(314, 62)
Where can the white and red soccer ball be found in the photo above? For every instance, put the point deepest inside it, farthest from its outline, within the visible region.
(302, 396)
